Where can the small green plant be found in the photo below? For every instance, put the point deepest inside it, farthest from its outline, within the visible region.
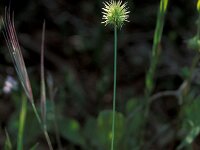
(115, 14)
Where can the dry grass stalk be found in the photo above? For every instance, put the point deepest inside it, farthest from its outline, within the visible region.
(15, 52)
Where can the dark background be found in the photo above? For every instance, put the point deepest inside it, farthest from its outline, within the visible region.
(79, 54)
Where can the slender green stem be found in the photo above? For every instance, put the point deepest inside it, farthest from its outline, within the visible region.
(149, 82)
(43, 126)
(114, 87)
(36, 113)
(155, 56)
(21, 123)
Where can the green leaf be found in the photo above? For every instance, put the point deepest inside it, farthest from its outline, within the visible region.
(185, 72)
(191, 115)
(31, 127)
(134, 126)
(104, 128)
(70, 129)
(131, 105)
(194, 132)
(192, 135)
(193, 43)
(90, 133)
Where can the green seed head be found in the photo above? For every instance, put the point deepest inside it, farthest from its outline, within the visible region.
(115, 13)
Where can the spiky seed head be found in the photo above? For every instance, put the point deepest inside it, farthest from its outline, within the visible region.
(115, 13)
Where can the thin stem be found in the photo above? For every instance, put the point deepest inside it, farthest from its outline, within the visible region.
(36, 113)
(22, 123)
(43, 126)
(149, 82)
(47, 138)
(114, 87)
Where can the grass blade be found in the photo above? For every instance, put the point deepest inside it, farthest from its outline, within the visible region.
(43, 88)
(149, 82)
(43, 91)
(8, 144)
(22, 123)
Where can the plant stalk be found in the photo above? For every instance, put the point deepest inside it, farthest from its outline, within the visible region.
(149, 82)
(114, 87)
(43, 126)
(47, 138)
(36, 113)
(22, 123)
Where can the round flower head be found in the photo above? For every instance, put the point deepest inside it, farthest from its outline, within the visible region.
(115, 13)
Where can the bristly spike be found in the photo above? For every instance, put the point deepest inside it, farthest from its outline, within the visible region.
(15, 52)
(115, 13)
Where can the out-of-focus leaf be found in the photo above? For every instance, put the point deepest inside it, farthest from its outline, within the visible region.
(31, 127)
(134, 124)
(185, 72)
(104, 129)
(193, 43)
(90, 133)
(193, 133)
(90, 129)
(131, 105)
(191, 115)
(70, 129)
